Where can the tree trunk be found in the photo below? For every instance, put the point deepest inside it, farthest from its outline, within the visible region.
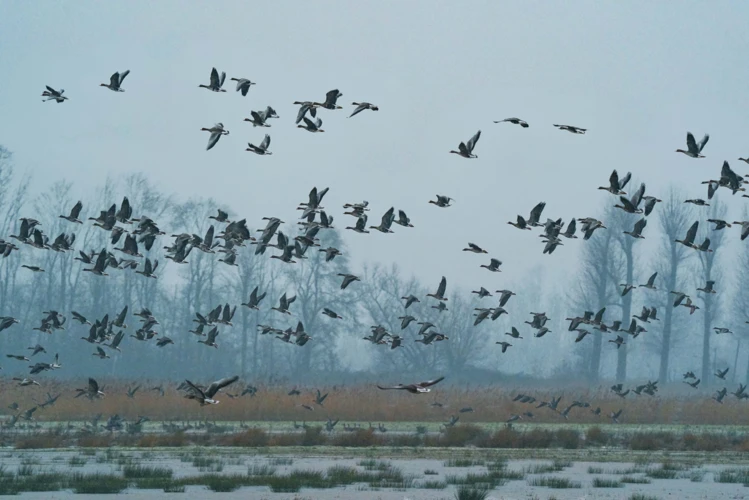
(621, 354)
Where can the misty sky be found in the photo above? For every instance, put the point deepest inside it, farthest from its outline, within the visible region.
(638, 75)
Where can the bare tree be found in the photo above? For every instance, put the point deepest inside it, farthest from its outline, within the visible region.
(674, 218)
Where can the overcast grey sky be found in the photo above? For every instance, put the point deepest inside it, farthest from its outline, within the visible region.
(638, 75)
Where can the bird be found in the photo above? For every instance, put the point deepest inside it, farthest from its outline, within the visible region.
(474, 248)
(637, 230)
(694, 150)
(216, 132)
(615, 184)
(721, 374)
(75, 212)
(207, 396)
(514, 333)
(361, 106)
(493, 265)
(403, 219)
(650, 284)
(115, 81)
(54, 95)
(330, 313)
(708, 288)
(347, 280)
(417, 388)
(571, 128)
(216, 81)
(262, 149)
(255, 299)
(440, 293)
(466, 149)
(243, 85)
(444, 201)
(311, 126)
(91, 391)
(515, 121)
(504, 345)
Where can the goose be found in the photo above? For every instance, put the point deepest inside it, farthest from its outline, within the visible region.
(679, 297)
(720, 395)
(206, 396)
(210, 340)
(18, 357)
(694, 150)
(719, 224)
(466, 149)
(699, 202)
(410, 300)
(149, 269)
(708, 288)
(330, 253)
(570, 231)
(619, 341)
(102, 261)
(474, 248)
(651, 282)
(54, 95)
(504, 345)
(92, 391)
(230, 259)
(258, 119)
(255, 299)
(514, 121)
(718, 330)
(221, 217)
(347, 280)
(75, 212)
(331, 313)
(653, 314)
(689, 305)
(311, 126)
(100, 353)
(361, 106)
(520, 224)
(614, 416)
(163, 341)
(481, 316)
(417, 388)
(403, 219)
(581, 333)
(216, 132)
(541, 332)
(216, 82)
(626, 288)
(440, 293)
(504, 296)
(262, 149)
(387, 220)
(637, 231)
(744, 228)
(444, 201)
(535, 215)
(360, 225)
(115, 81)
(571, 128)
(243, 85)
(650, 202)
(406, 320)
(493, 265)
(305, 106)
(35, 269)
(284, 303)
(115, 343)
(331, 97)
(688, 240)
(721, 374)
(693, 384)
(615, 184)
(482, 292)
(514, 333)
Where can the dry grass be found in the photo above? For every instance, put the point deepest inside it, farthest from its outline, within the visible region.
(363, 403)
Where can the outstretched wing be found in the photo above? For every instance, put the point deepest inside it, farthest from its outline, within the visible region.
(266, 142)
(220, 384)
(443, 287)
(431, 382)
(399, 386)
(472, 143)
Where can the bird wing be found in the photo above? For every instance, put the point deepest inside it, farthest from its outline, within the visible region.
(76, 211)
(223, 78)
(692, 144)
(624, 180)
(651, 280)
(536, 212)
(215, 136)
(123, 75)
(431, 382)
(359, 109)
(443, 287)
(100, 351)
(472, 143)
(195, 389)
(614, 181)
(310, 124)
(214, 78)
(703, 142)
(93, 386)
(640, 225)
(692, 233)
(266, 142)
(399, 386)
(220, 384)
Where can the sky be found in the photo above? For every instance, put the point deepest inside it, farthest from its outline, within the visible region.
(638, 75)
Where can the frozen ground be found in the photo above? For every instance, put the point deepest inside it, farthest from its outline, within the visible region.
(691, 478)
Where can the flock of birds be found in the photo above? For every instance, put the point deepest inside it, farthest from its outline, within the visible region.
(141, 233)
